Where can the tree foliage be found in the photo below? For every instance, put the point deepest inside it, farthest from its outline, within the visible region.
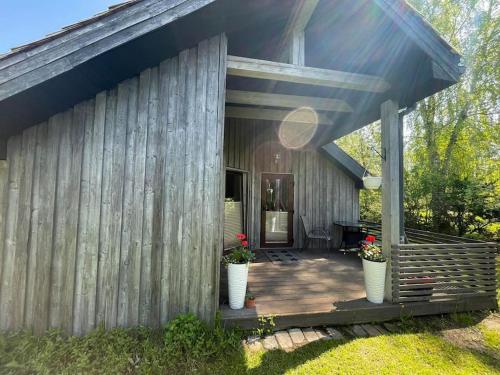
(452, 143)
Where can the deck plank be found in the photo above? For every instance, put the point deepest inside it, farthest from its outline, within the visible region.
(312, 284)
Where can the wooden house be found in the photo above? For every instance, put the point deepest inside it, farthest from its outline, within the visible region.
(132, 141)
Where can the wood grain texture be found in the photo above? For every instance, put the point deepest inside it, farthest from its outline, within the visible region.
(99, 38)
(322, 191)
(435, 272)
(270, 70)
(103, 203)
(4, 183)
(390, 180)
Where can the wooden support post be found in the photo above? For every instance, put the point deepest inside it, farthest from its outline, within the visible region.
(294, 31)
(401, 179)
(390, 185)
(297, 48)
(3, 148)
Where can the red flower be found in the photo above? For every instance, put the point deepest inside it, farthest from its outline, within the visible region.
(241, 236)
(370, 238)
(244, 243)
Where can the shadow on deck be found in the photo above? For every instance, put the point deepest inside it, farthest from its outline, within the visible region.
(324, 287)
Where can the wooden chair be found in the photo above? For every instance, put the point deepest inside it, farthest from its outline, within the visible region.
(316, 233)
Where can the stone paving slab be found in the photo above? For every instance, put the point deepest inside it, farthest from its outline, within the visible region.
(310, 334)
(334, 334)
(391, 327)
(358, 331)
(381, 329)
(297, 336)
(284, 340)
(294, 338)
(371, 330)
(255, 346)
(322, 334)
(270, 343)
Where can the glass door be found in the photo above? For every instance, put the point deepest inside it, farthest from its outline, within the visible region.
(277, 210)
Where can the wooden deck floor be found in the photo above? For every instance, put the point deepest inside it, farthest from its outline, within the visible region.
(314, 283)
(324, 288)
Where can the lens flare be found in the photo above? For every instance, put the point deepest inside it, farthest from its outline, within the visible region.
(298, 127)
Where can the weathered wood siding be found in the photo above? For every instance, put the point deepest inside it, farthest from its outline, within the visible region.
(322, 191)
(110, 212)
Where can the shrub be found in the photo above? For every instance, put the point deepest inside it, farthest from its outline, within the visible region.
(184, 345)
(187, 337)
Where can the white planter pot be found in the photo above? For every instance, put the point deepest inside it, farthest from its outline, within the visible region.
(374, 280)
(237, 275)
(372, 182)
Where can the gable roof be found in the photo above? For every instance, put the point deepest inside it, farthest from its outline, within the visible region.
(346, 162)
(425, 36)
(68, 29)
(82, 42)
(82, 59)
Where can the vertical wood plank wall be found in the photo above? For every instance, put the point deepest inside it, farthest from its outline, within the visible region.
(110, 212)
(322, 191)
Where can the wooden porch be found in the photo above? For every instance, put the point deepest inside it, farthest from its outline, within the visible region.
(320, 286)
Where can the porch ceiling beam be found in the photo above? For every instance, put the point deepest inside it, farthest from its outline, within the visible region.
(301, 15)
(292, 45)
(264, 69)
(274, 115)
(286, 101)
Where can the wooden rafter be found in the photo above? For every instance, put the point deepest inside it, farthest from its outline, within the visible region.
(274, 115)
(263, 69)
(293, 45)
(286, 101)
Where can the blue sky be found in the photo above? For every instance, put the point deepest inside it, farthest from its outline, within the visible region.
(23, 21)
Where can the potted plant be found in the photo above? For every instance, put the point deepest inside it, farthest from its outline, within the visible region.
(374, 268)
(237, 262)
(250, 301)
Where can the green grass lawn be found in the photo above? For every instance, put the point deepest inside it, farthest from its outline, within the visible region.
(407, 353)
(454, 344)
(420, 348)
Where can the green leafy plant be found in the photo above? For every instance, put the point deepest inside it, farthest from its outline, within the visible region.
(372, 253)
(266, 325)
(240, 254)
(249, 296)
(188, 338)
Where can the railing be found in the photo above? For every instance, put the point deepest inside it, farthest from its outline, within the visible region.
(434, 272)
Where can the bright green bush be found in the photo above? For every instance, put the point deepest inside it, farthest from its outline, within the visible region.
(188, 337)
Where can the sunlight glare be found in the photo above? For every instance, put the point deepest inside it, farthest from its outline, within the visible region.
(298, 127)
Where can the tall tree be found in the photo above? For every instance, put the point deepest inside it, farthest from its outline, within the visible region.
(452, 149)
(456, 131)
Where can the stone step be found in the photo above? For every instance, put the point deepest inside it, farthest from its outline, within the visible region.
(296, 337)
(270, 343)
(284, 340)
(334, 333)
(391, 327)
(310, 334)
(358, 331)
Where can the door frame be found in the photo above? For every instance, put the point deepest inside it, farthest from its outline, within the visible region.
(291, 202)
(245, 197)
